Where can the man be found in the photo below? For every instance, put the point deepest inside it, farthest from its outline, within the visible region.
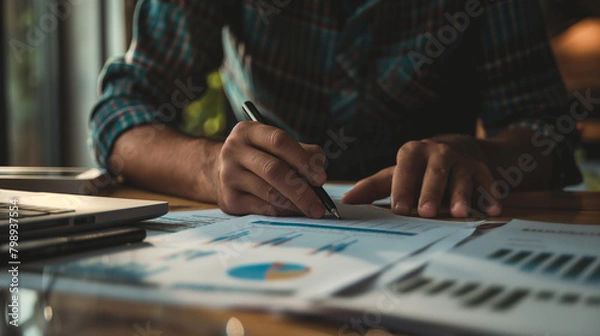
(382, 91)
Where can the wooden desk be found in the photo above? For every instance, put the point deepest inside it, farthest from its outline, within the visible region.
(92, 315)
(552, 206)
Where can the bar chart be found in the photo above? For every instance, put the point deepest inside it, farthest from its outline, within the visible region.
(565, 266)
(278, 241)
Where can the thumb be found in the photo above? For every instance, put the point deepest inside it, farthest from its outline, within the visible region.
(370, 189)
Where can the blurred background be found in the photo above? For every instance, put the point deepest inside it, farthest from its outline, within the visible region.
(53, 50)
(52, 53)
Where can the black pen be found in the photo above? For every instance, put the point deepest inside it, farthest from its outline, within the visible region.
(253, 114)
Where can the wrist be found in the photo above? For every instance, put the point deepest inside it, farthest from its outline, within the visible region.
(513, 152)
(206, 169)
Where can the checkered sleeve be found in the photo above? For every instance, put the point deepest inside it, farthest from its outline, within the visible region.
(175, 44)
(521, 84)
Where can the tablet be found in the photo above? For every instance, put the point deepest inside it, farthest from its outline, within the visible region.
(72, 180)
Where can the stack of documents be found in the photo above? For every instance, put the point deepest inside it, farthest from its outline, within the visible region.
(524, 278)
(299, 257)
(407, 274)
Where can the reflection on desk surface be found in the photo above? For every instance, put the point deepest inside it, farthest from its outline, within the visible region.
(591, 177)
(528, 283)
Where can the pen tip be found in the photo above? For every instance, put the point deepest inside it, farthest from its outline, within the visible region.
(335, 213)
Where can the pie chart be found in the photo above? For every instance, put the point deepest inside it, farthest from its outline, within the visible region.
(269, 271)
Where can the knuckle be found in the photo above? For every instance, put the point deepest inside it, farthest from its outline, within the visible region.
(278, 138)
(409, 149)
(275, 197)
(315, 149)
(444, 150)
(228, 150)
(437, 171)
(412, 146)
(239, 129)
(271, 169)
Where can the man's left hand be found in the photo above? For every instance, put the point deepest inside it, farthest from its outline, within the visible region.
(426, 171)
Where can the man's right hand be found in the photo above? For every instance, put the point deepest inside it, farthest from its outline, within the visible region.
(263, 170)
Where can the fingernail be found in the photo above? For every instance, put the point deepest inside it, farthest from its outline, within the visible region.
(428, 207)
(461, 207)
(319, 179)
(493, 210)
(400, 207)
(316, 210)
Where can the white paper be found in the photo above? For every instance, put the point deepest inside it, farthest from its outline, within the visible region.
(281, 256)
(182, 220)
(475, 289)
(412, 263)
(336, 191)
(564, 254)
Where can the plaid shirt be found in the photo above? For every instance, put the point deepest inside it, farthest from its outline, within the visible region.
(358, 77)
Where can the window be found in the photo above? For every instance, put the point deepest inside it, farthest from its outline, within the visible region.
(52, 54)
(3, 113)
(30, 58)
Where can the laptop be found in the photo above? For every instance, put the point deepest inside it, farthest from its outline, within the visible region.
(42, 214)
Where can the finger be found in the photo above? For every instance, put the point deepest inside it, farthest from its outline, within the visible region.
(286, 180)
(250, 183)
(282, 145)
(486, 197)
(312, 148)
(318, 160)
(460, 188)
(370, 189)
(408, 174)
(434, 185)
(238, 203)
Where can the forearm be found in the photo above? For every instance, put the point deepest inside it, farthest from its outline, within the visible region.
(164, 160)
(513, 158)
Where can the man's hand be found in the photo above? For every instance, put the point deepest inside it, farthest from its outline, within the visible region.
(263, 170)
(427, 170)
